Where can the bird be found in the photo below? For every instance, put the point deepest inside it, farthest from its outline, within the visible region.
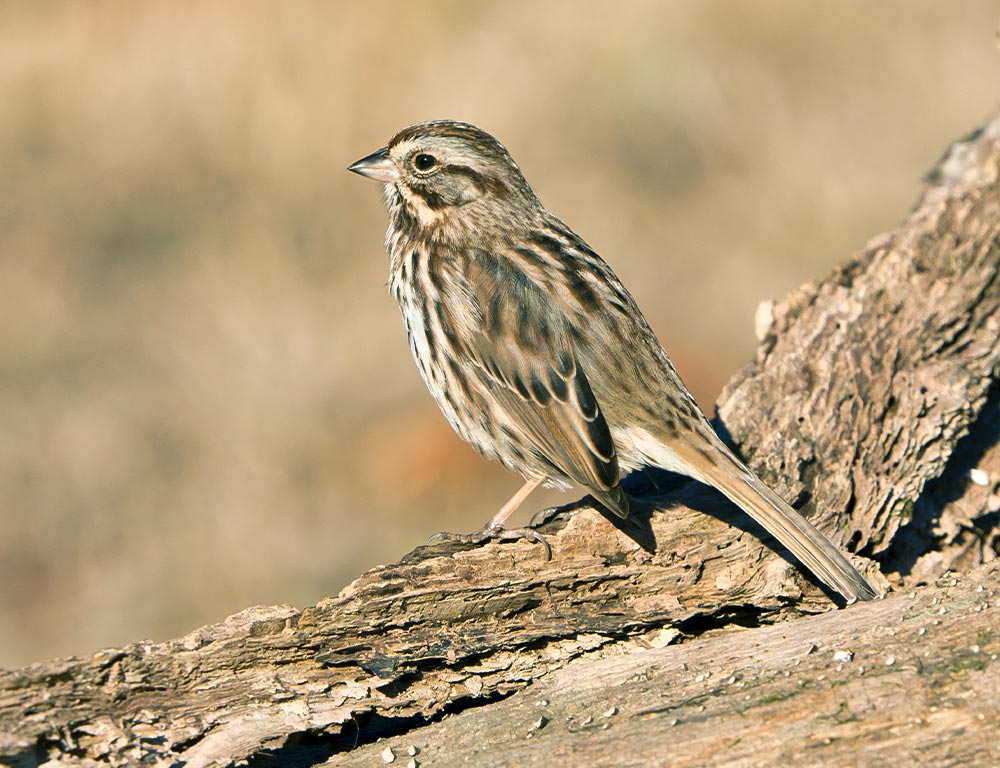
(535, 351)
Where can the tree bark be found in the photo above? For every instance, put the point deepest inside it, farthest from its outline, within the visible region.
(873, 404)
(908, 681)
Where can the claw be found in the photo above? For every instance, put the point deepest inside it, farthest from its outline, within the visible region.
(543, 516)
(514, 534)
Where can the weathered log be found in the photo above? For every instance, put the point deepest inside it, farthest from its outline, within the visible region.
(911, 680)
(873, 398)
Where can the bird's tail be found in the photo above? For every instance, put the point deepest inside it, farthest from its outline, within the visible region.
(802, 538)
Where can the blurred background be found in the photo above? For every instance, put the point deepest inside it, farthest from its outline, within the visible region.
(206, 397)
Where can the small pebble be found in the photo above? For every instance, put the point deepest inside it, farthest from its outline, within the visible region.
(979, 477)
(842, 657)
(388, 755)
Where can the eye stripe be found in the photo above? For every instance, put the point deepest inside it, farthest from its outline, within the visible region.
(482, 181)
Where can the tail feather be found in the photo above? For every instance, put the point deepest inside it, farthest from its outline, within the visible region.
(814, 550)
(802, 538)
(614, 499)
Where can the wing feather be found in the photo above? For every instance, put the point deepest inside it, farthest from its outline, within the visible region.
(524, 355)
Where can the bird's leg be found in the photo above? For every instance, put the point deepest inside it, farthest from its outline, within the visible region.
(494, 528)
(509, 508)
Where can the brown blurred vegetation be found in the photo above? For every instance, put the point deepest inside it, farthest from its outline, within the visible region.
(206, 398)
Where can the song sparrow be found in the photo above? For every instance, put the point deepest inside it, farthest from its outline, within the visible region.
(535, 351)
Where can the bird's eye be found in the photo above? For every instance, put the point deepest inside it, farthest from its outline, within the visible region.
(424, 162)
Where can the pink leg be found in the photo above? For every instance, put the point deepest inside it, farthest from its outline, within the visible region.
(508, 509)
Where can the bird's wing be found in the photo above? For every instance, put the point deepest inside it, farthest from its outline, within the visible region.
(524, 353)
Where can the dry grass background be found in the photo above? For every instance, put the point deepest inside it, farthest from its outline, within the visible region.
(206, 398)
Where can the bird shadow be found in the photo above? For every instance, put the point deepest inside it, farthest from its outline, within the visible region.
(638, 525)
(650, 490)
(654, 490)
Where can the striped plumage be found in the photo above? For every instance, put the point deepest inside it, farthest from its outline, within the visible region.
(534, 350)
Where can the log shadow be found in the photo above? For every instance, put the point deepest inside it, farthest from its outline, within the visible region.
(921, 535)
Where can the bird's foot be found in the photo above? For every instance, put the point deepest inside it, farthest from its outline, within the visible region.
(496, 534)
(547, 515)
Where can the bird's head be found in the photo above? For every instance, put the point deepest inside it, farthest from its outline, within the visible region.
(443, 168)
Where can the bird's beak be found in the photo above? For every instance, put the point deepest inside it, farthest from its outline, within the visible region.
(378, 166)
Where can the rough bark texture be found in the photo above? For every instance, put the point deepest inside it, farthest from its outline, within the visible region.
(910, 681)
(879, 369)
(873, 402)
